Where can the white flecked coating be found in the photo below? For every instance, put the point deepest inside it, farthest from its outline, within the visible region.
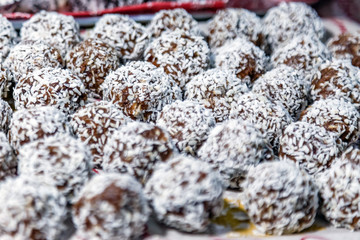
(8, 161)
(7, 37)
(5, 116)
(6, 79)
(345, 46)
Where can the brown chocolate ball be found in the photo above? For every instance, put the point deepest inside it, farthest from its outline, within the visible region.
(346, 46)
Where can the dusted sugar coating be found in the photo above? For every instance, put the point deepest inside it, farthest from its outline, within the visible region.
(28, 125)
(244, 58)
(216, 89)
(232, 148)
(94, 123)
(5, 116)
(50, 87)
(346, 46)
(265, 115)
(188, 124)
(140, 90)
(128, 37)
(34, 6)
(311, 147)
(63, 160)
(8, 161)
(280, 198)
(180, 54)
(99, 5)
(28, 56)
(7, 37)
(31, 209)
(185, 193)
(137, 148)
(111, 206)
(289, 20)
(92, 60)
(232, 23)
(285, 86)
(171, 20)
(5, 82)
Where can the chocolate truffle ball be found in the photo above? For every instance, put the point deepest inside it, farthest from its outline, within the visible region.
(7, 37)
(8, 161)
(5, 116)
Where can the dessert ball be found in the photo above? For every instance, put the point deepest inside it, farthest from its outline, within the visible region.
(28, 56)
(188, 124)
(50, 87)
(285, 86)
(5, 115)
(140, 90)
(92, 60)
(7, 37)
(31, 209)
(310, 146)
(346, 46)
(8, 161)
(180, 54)
(28, 125)
(232, 23)
(242, 57)
(185, 194)
(137, 148)
(111, 206)
(34, 6)
(5, 82)
(267, 116)
(232, 148)
(289, 20)
(280, 198)
(171, 20)
(94, 123)
(216, 89)
(128, 37)
(338, 117)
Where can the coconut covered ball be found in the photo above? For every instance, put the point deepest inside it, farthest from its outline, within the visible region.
(5, 116)
(140, 90)
(8, 161)
(94, 123)
(92, 60)
(31, 209)
(346, 47)
(188, 124)
(50, 87)
(7, 37)
(128, 37)
(137, 148)
(180, 54)
(280, 198)
(185, 194)
(242, 57)
(111, 206)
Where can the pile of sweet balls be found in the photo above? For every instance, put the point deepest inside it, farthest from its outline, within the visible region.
(160, 120)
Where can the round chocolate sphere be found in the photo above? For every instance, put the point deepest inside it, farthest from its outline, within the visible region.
(8, 161)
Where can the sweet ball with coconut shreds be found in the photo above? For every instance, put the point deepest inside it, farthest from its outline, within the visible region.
(111, 206)
(7, 37)
(8, 161)
(185, 193)
(140, 90)
(234, 147)
(5, 116)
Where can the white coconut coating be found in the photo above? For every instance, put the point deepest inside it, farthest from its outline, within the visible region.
(7, 37)
(232, 148)
(128, 37)
(286, 86)
(137, 148)
(188, 123)
(5, 82)
(8, 161)
(31, 209)
(5, 116)
(345, 46)
(185, 193)
(280, 198)
(216, 89)
(50, 87)
(111, 206)
(180, 54)
(244, 58)
(94, 123)
(140, 90)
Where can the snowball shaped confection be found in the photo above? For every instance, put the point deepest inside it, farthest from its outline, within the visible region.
(180, 54)
(34, 6)
(188, 123)
(232, 148)
(136, 148)
(5, 116)
(280, 198)
(111, 206)
(216, 89)
(7, 37)
(285, 86)
(243, 57)
(8, 161)
(31, 209)
(92, 60)
(94, 123)
(185, 193)
(5, 82)
(50, 87)
(346, 46)
(128, 37)
(140, 90)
